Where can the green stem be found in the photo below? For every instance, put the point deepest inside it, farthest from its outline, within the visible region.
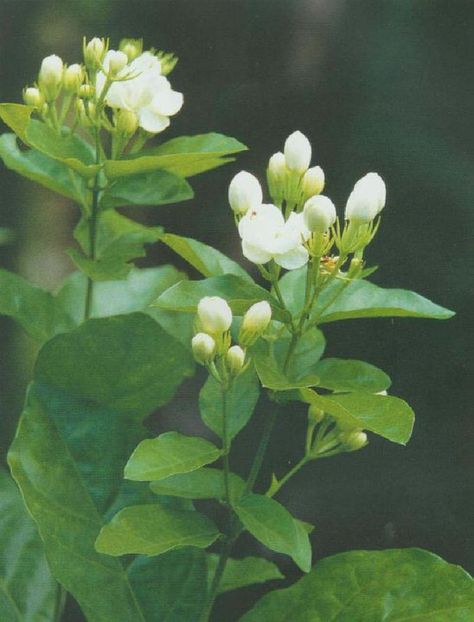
(268, 426)
(276, 487)
(93, 229)
(225, 445)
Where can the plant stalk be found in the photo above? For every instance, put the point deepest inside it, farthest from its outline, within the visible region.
(93, 228)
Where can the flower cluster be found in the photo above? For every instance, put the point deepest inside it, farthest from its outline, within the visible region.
(211, 345)
(116, 90)
(301, 222)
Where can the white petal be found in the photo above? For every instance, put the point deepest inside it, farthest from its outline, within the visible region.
(261, 219)
(144, 62)
(152, 122)
(167, 102)
(294, 259)
(255, 254)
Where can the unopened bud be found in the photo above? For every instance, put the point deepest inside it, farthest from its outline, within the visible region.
(353, 440)
(126, 122)
(86, 91)
(245, 193)
(313, 181)
(315, 414)
(319, 214)
(255, 322)
(168, 62)
(115, 61)
(204, 348)
(297, 152)
(73, 77)
(214, 314)
(235, 359)
(366, 200)
(50, 76)
(33, 97)
(131, 47)
(277, 166)
(86, 112)
(94, 52)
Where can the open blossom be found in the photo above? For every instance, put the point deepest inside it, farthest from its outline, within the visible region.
(144, 91)
(367, 199)
(266, 235)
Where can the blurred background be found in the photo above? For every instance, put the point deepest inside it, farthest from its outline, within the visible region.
(377, 85)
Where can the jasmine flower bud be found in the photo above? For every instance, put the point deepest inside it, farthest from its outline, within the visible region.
(353, 439)
(115, 61)
(33, 97)
(297, 152)
(313, 181)
(315, 414)
(50, 76)
(214, 314)
(366, 200)
(94, 52)
(319, 213)
(126, 122)
(86, 91)
(277, 166)
(73, 77)
(255, 322)
(245, 193)
(204, 348)
(131, 47)
(235, 359)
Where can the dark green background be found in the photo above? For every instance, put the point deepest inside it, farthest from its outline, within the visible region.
(376, 85)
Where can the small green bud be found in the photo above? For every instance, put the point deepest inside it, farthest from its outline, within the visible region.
(254, 323)
(33, 97)
(353, 439)
(315, 414)
(86, 91)
(131, 47)
(313, 182)
(204, 348)
(86, 112)
(277, 174)
(126, 122)
(235, 359)
(73, 76)
(355, 267)
(168, 62)
(94, 52)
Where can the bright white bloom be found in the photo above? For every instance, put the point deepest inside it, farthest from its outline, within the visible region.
(235, 359)
(204, 348)
(265, 236)
(257, 317)
(115, 61)
(367, 199)
(51, 75)
(319, 213)
(214, 314)
(146, 92)
(245, 192)
(313, 181)
(297, 152)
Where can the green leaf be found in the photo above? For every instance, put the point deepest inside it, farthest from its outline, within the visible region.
(35, 309)
(155, 188)
(184, 156)
(239, 293)
(205, 483)
(93, 387)
(27, 590)
(17, 117)
(362, 299)
(205, 259)
(40, 168)
(169, 454)
(351, 375)
(408, 585)
(155, 529)
(270, 361)
(270, 523)
(241, 399)
(119, 241)
(240, 573)
(386, 416)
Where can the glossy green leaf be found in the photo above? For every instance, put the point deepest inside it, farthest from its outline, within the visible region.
(155, 188)
(272, 525)
(40, 168)
(28, 592)
(241, 399)
(184, 156)
(119, 241)
(205, 259)
(205, 483)
(407, 585)
(361, 299)
(240, 573)
(386, 416)
(153, 530)
(17, 117)
(239, 293)
(93, 388)
(351, 375)
(35, 309)
(169, 454)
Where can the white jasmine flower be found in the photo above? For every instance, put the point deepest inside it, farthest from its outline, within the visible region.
(313, 181)
(73, 77)
(144, 91)
(214, 314)
(50, 76)
(257, 317)
(115, 61)
(367, 199)
(319, 213)
(235, 359)
(277, 166)
(297, 152)
(245, 192)
(203, 347)
(265, 236)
